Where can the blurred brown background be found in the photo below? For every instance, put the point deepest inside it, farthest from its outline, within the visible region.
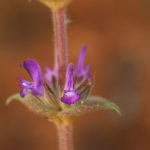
(117, 35)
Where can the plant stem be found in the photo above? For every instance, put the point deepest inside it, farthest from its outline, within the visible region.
(60, 44)
(65, 136)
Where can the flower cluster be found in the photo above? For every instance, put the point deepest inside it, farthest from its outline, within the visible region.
(44, 95)
(77, 82)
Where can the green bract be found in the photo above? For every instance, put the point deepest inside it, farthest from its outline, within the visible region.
(44, 108)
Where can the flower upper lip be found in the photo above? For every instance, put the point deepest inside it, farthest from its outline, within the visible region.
(69, 96)
(79, 67)
(36, 86)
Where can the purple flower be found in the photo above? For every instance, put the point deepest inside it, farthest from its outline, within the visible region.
(36, 86)
(79, 68)
(69, 96)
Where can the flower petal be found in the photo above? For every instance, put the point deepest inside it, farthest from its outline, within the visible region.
(69, 78)
(25, 84)
(79, 67)
(23, 92)
(35, 87)
(34, 71)
(69, 96)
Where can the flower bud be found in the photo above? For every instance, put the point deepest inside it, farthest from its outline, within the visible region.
(55, 4)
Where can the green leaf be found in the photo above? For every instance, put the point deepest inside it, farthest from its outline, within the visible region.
(90, 104)
(96, 102)
(34, 104)
(14, 97)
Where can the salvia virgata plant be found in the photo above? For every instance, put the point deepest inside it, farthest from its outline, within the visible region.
(62, 93)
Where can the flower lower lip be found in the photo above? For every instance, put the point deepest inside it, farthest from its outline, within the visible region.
(70, 99)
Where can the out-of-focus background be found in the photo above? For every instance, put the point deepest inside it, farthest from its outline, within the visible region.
(117, 35)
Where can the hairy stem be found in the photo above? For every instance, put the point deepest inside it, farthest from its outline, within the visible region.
(65, 136)
(60, 44)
